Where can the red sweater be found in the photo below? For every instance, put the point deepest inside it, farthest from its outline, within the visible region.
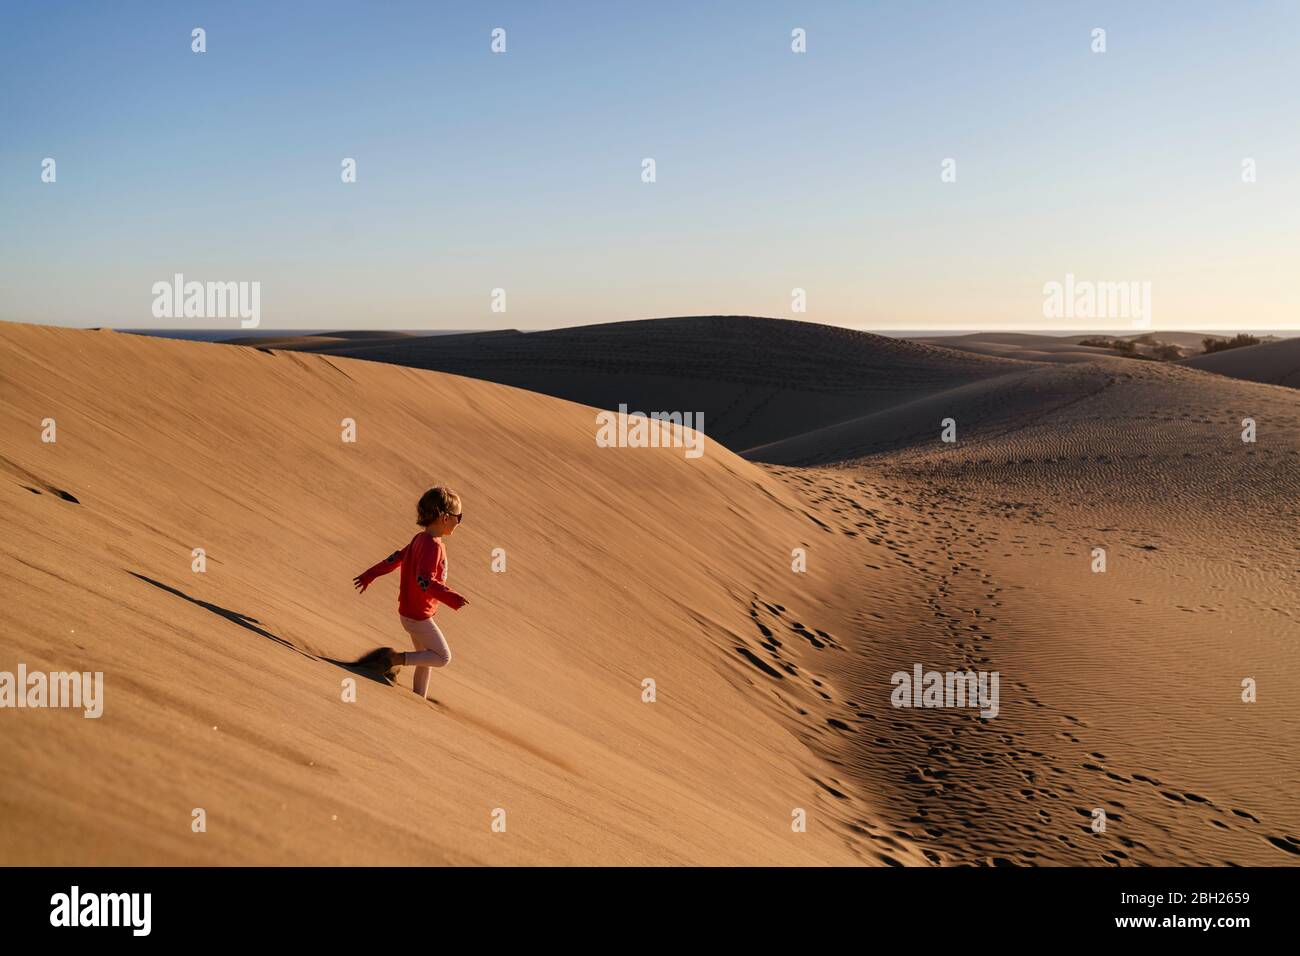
(424, 575)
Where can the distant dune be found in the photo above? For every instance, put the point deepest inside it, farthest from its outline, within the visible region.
(1016, 345)
(1081, 404)
(322, 340)
(1070, 348)
(755, 380)
(1276, 363)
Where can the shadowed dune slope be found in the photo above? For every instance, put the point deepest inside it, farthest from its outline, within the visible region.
(756, 380)
(1016, 345)
(1145, 413)
(1140, 445)
(622, 566)
(1275, 363)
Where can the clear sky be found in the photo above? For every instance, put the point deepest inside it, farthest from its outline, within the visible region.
(775, 170)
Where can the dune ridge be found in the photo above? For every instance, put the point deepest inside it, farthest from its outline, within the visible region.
(1273, 363)
(756, 380)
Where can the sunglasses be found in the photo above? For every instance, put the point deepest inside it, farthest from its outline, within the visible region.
(458, 516)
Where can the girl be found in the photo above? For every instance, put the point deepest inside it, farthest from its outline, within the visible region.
(423, 587)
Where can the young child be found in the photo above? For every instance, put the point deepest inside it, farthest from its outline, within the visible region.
(423, 587)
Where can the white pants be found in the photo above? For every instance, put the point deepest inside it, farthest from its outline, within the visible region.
(431, 651)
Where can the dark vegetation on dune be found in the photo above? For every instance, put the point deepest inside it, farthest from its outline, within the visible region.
(1150, 348)
(1240, 340)
(1145, 347)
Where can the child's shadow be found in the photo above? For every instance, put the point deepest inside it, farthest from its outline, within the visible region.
(250, 623)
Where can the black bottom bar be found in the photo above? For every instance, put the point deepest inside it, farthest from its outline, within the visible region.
(417, 905)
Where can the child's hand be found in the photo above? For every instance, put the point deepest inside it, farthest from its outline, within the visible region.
(361, 583)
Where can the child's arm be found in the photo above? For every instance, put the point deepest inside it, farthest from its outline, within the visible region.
(444, 594)
(429, 581)
(390, 563)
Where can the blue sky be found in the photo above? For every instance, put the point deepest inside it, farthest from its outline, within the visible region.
(775, 170)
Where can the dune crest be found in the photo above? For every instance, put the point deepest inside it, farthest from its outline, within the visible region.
(756, 380)
(1273, 363)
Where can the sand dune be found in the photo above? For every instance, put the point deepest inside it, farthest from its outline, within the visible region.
(755, 380)
(1020, 339)
(1060, 348)
(1276, 363)
(1037, 348)
(1127, 683)
(1193, 340)
(1120, 690)
(316, 341)
(986, 407)
(623, 564)
(1069, 348)
(1031, 398)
